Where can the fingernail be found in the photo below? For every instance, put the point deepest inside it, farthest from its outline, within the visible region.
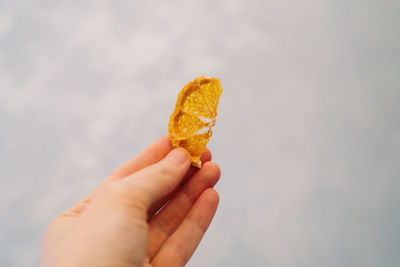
(179, 155)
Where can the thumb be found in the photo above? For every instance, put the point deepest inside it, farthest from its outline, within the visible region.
(158, 180)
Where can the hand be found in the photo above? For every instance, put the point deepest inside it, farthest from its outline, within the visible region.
(151, 211)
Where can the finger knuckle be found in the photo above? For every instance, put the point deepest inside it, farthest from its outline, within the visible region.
(127, 194)
(168, 171)
(115, 190)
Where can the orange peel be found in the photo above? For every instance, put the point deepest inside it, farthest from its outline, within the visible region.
(194, 115)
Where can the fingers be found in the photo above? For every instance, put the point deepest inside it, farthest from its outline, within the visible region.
(180, 246)
(158, 180)
(156, 206)
(164, 223)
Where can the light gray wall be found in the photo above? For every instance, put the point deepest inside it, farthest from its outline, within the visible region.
(307, 137)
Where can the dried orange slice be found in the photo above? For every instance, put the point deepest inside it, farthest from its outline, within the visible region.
(194, 115)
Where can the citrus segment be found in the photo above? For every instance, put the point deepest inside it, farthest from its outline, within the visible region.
(194, 115)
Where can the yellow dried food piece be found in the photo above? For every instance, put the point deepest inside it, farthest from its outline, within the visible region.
(195, 113)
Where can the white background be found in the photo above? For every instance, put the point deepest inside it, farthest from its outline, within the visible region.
(307, 136)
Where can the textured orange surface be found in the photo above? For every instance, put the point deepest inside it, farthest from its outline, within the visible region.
(194, 115)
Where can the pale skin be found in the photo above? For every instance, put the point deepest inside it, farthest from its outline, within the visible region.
(151, 211)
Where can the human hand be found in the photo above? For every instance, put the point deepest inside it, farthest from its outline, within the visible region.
(151, 211)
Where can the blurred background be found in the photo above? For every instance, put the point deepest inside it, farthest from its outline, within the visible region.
(307, 136)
